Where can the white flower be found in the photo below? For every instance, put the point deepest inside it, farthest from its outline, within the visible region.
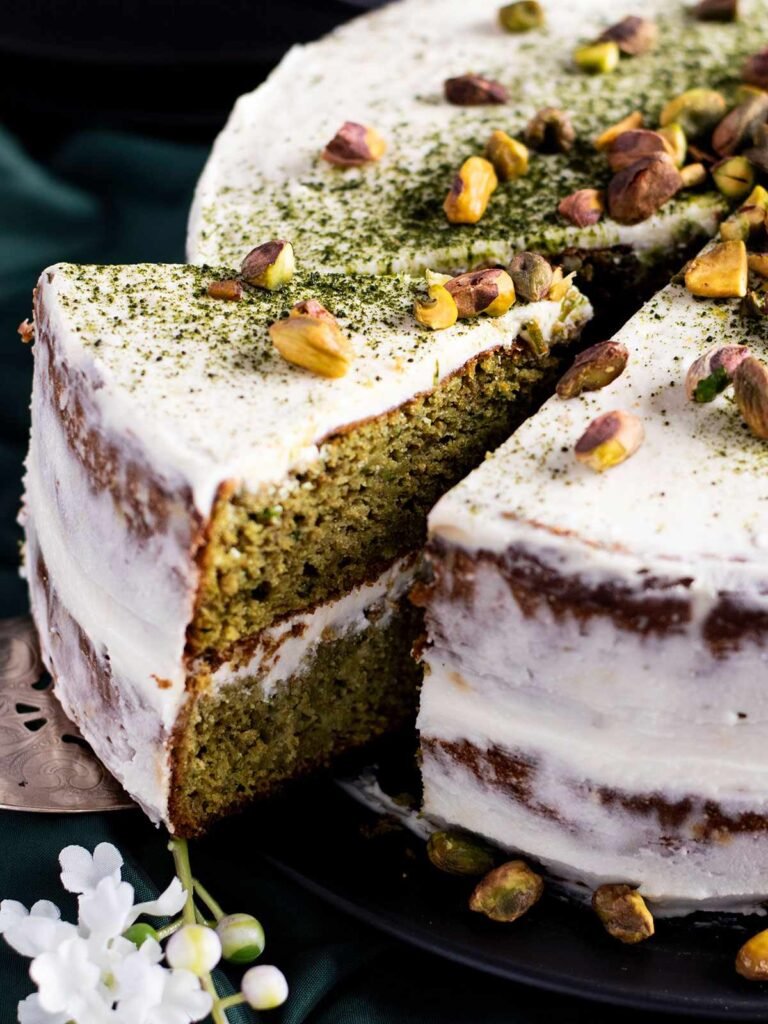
(81, 872)
(64, 976)
(167, 904)
(109, 909)
(264, 987)
(194, 948)
(31, 1012)
(35, 931)
(151, 994)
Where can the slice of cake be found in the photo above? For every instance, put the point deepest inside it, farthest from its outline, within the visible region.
(389, 71)
(219, 542)
(595, 675)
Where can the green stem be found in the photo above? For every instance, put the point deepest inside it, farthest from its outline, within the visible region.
(201, 919)
(218, 1016)
(180, 851)
(169, 929)
(207, 899)
(229, 1001)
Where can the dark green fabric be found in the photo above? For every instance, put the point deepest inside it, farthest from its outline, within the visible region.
(105, 197)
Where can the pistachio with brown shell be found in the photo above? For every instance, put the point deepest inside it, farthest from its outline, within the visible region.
(631, 146)
(609, 440)
(623, 913)
(632, 35)
(550, 131)
(508, 892)
(354, 145)
(750, 390)
(712, 373)
(593, 369)
(716, 10)
(641, 189)
(473, 91)
(531, 275)
(583, 207)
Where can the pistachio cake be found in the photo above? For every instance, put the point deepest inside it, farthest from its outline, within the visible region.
(266, 175)
(219, 541)
(595, 673)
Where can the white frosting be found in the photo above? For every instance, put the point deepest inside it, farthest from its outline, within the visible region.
(221, 404)
(585, 699)
(265, 173)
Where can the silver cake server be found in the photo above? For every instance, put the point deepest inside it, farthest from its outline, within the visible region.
(45, 764)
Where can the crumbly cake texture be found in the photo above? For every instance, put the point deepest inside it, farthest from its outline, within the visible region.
(214, 533)
(389, 216)
(595, 690)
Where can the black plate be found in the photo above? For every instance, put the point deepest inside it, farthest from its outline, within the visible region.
(378, 872)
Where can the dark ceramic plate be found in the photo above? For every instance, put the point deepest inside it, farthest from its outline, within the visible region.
(378, 872)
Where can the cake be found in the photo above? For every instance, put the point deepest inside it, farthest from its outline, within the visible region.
(594, 692)
(219, 543)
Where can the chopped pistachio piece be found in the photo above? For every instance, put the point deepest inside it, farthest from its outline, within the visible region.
(354, 145)
(531, 275)
(633, 35)
(438, 311)
(521, 16)
(752, 958)
(583, 208)
(508, 892)
(734, 177)
(459, 853)
(471, 191)
(508, 156)
(675, 136)
(629, 123)
(593, 369)
(597, 58)
(739, 124)
(758, 263)
(482, 291)
(719, 273)
(623, 913)
(271, 265)
(473, 91)
(231, 290)
(693, 176)
(750, 390)
(314, 344)
(696, 111)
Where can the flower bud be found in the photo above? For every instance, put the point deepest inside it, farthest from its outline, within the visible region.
(194, 948)
(139, 933)
(242, 938)
(264, 987)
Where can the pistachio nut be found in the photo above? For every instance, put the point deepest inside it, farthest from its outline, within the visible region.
(693, 175)
(678, 143)
(641, 189)
(521, 16)
(752, 958)
(746, 224)
(750, 390)
(271, 265)
(561, 284)
(758, 263)
(609, 440)
(755, 303)
(627, 124)
(713, 372)
(757, 197)
(26, 331)
(696, 111)
(473, 91)
(508, 156)
(439, 310)
(583, 208)
(459, 853)
(597, 58)
(313, 343)
(755, 71)
(629, 147)
(716, 10)
(482, 291)
(354, 145)
(758, 153)
(471, 191)
(593, 369)
(719, 273)
(550, 131)
(508, 892)
(531, 275)
(633, 36)
(734, 177)
(231, 290)
(623, 913)
(312, 308)
(739, 124)
(532, 333)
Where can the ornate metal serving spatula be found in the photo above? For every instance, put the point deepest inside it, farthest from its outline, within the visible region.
(45, 764)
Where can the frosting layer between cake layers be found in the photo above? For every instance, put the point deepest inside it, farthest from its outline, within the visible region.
(387, 70)
(148, 398)
(595, 690)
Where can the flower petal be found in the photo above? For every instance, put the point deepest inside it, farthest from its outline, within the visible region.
(106, 911)
(11, 912)
(81, 872)
(44, 908)
(167, 903)
(65, 976)
(31, 1012)
(34, 935)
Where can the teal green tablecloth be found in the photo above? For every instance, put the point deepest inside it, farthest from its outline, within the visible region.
(106, 197)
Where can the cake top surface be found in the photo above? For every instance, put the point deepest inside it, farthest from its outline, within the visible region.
(695, 493)
(387, 70)
(200, 383)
